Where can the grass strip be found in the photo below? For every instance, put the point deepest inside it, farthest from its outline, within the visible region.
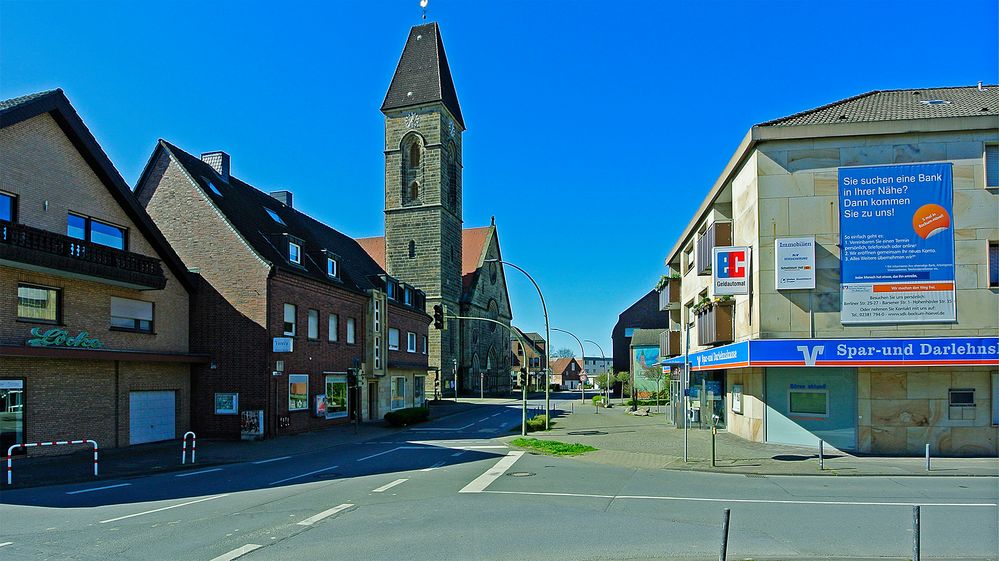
(553, 447)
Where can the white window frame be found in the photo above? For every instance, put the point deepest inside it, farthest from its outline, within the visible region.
(295, 253)
(313, 325)
(351, 331)
(297, 379)
(332, 268)
(294, 319)
(393, 339)
(398, 401)
(410, 342)
(333, 326)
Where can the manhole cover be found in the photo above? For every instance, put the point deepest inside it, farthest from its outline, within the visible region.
(586, 432)
(520, 474)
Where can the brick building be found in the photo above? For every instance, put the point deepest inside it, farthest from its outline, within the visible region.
(424, 242)
(304, 328)
(93, 302)
(643, 314)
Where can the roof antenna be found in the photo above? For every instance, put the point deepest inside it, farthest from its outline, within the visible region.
(423, 4)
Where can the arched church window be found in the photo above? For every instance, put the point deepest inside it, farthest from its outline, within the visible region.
(492, 272)
(452, 177)
(412, 249)
(492, 310)
(413, 191)
(414, 154)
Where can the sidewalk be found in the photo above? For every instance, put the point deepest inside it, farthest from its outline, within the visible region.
(649, 443)
(158, 457)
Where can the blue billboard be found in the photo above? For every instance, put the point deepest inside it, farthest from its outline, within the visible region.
(897, 243)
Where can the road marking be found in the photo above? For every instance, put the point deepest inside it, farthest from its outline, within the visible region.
(715, 500)
(393, 450)
(324, 514)
(190, 473)
(441, 428)
(97, 488)
(5, 543)
(303, 475)
(433, 467)
(481, 482)
(238, 552)
(388, 486)
(163, 508)
(456, 454)
(477, 447)
(496, 415)
(270, 460)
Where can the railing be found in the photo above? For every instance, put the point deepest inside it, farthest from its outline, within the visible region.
(669, 343)
(715, 324)
(58, 251)
(718, 234)
(669, 296)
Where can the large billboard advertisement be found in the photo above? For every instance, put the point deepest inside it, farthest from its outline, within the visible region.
(897, 244)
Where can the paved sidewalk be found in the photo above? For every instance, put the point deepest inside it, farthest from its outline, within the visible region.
(649, 443)
(147, 459)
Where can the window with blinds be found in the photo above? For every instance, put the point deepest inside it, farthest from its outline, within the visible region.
(992, 165)
(131, 315)
(38, 304)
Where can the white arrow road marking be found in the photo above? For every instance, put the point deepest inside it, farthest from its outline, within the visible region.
(163, 508)
(480, 483)
(238, 552)
(324, 514)
(5, 543)
(388, 486)
(98, 488)
(433, 467)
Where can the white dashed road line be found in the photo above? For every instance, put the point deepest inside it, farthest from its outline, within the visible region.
(98, 488)
(480, 483)
(270, 460)
(388, 486)
(302, 475)
(433, 467)
(433, 429)
(190, 473)
(392, 450)
(324, 514)
(238, 552)
(6, 543)
(163, 508)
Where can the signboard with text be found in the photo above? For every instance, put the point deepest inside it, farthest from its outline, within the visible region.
(795, 263)
(283, 345)
(730, 270)
(897, 244)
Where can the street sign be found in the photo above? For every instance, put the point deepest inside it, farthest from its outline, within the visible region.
(582, 377)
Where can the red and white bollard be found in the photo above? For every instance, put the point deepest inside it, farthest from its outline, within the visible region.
(10, 453)
(183, 447)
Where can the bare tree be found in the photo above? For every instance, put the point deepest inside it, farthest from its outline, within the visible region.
(564, 352)
(655, 374)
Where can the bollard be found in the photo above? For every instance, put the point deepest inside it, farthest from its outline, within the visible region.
(927, 457)
(724, 541)
(183, 447)
(822, 456)
(714, 431)
(915, 532)
(572, 407)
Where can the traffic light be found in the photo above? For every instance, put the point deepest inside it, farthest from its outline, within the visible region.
(438, 316)
(522, 377)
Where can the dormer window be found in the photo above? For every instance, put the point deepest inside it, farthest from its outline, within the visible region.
(294, 253)
(390, 288)
(408, 296)
(332, 267)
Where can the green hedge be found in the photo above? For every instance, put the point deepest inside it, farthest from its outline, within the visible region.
(409, 416)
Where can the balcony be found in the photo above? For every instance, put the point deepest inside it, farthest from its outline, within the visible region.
(669, 295)
(669, 344)
(718, 234)
(59, 254)
(714, 323)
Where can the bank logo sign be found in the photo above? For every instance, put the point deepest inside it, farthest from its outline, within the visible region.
(795, 263)
(897, 244)
(730, 271)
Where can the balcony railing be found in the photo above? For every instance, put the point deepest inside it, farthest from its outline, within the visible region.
(61, 253)
(669, 296)
(714, 324)
(669, 343)
(718, 234)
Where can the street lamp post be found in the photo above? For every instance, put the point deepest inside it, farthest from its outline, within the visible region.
(582, 391)
(603, 358)
(548, 340)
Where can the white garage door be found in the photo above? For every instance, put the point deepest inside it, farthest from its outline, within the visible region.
(151, 416)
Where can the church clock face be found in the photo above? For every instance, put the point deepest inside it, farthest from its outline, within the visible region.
(412, 120)
(450, 129)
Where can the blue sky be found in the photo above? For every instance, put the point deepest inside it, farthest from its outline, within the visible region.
(594, 128)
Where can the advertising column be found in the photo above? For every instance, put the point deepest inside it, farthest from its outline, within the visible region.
(897, 242)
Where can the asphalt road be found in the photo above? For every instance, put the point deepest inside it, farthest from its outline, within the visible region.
(453, 490)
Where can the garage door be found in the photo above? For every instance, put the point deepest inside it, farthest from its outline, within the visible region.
(152, 416)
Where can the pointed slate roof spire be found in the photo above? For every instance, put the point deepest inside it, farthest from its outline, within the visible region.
(423, 75)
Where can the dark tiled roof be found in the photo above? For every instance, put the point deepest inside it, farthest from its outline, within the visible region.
(245, 207)
(897, 105)
(422, 75)
(15, 101)
(645, 337)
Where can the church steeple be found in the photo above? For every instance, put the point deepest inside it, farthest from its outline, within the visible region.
(422, 75)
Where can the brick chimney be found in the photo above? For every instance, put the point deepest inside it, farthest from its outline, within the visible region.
(219, 161)
(283, 196)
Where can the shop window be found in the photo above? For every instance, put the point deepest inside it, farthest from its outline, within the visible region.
(393, 339)
(398, 392)
(808, 402)
(91, 230)
(8, 207)
(419, 386)
(410, 342)
(131, 315)
(298, 392)
(350, 331)
(334, 327)
(313, 325)
(289, 319)
(11, 413)
(39, 304)
(994, 264)
(336, 396)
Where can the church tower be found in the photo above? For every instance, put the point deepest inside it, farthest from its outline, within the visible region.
(423, 128)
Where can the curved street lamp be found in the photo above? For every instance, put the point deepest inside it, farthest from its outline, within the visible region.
(582, 391)
(548, 339)
(603, 357)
